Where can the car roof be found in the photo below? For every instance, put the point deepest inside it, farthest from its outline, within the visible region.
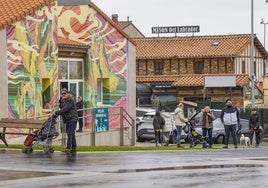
(150, 113)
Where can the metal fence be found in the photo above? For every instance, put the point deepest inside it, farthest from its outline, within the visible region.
(118, 119)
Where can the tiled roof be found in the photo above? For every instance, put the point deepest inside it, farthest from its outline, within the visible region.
(162, 78)
(12, 11)
(192, 80)
(194, 46)
(124, 24)
(70, 43)
(188, 80)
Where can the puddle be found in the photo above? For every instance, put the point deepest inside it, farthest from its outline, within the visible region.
(189, 167)
(13, 175)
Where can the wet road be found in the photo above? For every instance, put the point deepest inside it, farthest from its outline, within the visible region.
(243, 167)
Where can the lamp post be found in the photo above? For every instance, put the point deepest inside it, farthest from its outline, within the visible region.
(252, 58)
(264, 24)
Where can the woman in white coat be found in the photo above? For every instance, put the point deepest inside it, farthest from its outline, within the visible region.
(169, 125)
(180, 121)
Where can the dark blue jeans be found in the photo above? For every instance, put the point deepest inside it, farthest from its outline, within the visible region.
(230, 129)
(70, 130)
(179, 130)
(208, 131)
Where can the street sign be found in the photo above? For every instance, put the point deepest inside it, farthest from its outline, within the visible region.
(176, 29)
(101, 119)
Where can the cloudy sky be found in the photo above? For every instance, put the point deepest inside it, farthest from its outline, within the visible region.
(213, 16)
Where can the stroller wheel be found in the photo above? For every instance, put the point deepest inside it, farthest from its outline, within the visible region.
(51, 150)
(24, 150)
(29, 150)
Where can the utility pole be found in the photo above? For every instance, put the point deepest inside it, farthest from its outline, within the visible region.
(252, 58)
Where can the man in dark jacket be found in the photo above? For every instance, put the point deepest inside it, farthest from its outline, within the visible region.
(230, 118)
(70, 118)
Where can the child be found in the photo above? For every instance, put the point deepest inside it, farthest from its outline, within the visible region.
(254, 126)
(158, 123)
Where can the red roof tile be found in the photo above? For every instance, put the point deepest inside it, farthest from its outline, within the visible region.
(162, 78)
(188, 80)
(68, 42)
(193, 80)
(12, 11)
(193, 47)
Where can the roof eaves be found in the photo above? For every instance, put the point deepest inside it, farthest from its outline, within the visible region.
(73, 46)
(91, 4)
(25, 11)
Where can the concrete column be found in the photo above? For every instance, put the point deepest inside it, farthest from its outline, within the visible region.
(3, 73)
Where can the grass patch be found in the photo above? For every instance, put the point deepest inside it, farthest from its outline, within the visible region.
(110, 148)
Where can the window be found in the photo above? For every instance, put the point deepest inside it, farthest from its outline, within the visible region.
(266, 67)
(243, 66)
(199, 67)
(71, 69)
(158, 68)
(255, 69)
(99, 91)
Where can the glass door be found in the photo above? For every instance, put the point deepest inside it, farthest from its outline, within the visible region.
(74, 89)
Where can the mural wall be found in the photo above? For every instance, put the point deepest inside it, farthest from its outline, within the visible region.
(32, 63)
(106, 58)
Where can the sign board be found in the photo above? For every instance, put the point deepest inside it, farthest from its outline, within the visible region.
(101, 119)
(162, 85)
(220, 81)
(176, 29)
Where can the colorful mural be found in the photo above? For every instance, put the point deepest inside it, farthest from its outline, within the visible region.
(107, 55)
(32, 63)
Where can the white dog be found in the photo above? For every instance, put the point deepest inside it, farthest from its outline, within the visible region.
(244, 141)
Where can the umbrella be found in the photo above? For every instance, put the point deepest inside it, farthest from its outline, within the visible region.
(190, 103)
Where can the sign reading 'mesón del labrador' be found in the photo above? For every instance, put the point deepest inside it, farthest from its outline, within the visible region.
(176, 29)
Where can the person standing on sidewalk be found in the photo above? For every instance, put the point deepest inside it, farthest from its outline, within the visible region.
(169, 125)
(180, 121)
(207, 126)
(158, 123)
(230, 118)
(70, 118)
(254, 127)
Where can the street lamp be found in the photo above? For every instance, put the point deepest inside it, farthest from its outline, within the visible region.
(264, 24)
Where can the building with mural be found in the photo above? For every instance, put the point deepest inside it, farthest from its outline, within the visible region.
(48, 45)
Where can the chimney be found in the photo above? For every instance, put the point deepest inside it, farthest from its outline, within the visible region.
(115, 18)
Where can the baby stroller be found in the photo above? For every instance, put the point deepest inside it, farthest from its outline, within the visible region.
(193, 137)
(42, 137)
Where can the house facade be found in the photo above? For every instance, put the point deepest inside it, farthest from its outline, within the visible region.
(50, 44)
(128, 27)
(201, 68)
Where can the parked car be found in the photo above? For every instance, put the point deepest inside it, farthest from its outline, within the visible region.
(218, 132)
(140, 112)
(145, 129)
